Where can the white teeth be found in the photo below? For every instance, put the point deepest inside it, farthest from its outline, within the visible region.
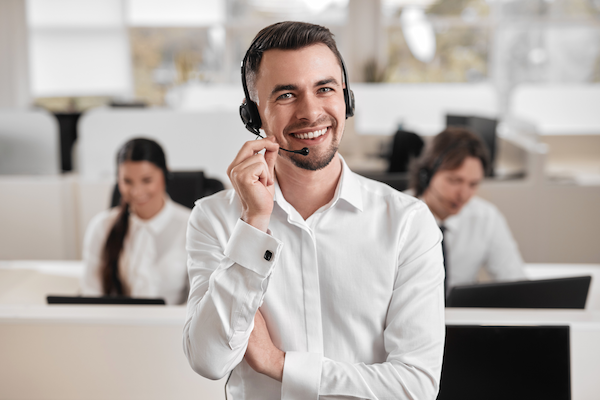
(310, 135)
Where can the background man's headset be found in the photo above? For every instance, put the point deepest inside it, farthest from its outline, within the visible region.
(249, 110)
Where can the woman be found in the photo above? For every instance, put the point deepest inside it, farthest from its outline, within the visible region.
(138, 248)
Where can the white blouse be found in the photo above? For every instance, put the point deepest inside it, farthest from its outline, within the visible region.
(153, 260)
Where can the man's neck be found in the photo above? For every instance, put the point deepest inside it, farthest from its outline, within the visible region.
(307, 191)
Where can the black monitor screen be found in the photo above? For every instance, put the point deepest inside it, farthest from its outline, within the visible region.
(506, 362)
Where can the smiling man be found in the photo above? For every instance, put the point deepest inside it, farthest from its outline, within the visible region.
(476, 234)
(307, 280)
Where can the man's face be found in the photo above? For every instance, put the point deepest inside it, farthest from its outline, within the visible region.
(301, 102)
(450, 190)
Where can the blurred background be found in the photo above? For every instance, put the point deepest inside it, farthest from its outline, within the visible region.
(105, 70)
(80, 77)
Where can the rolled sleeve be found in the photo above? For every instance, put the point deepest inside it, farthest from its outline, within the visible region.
(301, 376)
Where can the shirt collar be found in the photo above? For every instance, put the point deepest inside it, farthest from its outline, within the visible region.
(348, 189)
(157, 223)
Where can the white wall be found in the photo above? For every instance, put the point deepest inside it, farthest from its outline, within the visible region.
(14, 61)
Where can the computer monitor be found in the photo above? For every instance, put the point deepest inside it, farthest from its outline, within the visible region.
(106, 300)
(506, 362)
(545, 293)
(484, 127)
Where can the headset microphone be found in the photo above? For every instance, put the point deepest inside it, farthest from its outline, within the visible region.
(303, 152)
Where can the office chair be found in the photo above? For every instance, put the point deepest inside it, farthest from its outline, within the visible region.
(184, 187)
(406, 146)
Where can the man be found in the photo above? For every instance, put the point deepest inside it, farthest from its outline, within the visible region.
(476, 234)
(347, 272)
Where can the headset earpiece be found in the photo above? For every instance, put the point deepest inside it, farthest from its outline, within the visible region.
(349, 99)
(424, 178)
(250, 116)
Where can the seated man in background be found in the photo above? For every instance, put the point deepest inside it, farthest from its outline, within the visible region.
(476, 235)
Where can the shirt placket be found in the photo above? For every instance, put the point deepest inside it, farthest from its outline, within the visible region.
(312, 293)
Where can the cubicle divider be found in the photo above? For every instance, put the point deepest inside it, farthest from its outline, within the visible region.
(421, 108)
(29, 142)
(192, 140)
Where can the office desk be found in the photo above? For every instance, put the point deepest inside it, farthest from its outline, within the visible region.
(127, 352)
(88, 352)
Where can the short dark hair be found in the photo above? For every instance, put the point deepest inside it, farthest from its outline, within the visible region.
(287, 35)
(447, 151)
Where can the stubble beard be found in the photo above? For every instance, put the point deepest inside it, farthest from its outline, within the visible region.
(315, 161)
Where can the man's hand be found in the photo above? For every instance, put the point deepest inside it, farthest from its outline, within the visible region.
(261, 354)
(253, 177)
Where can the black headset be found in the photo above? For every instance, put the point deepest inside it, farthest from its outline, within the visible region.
(249, 110)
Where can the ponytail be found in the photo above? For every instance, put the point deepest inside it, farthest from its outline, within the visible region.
(109, 272)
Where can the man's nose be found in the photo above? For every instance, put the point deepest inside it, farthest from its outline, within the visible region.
(309, 108)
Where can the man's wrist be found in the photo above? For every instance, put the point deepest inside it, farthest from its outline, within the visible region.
(277, 363)
(259, 222)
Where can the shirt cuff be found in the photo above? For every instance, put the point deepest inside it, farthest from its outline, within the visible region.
(301, 376)
(253, 249)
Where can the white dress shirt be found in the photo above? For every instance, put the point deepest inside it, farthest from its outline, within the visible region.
(353, 295)
(478, 236)
(153, 260)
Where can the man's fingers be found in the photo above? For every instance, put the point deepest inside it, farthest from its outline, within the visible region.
(251, 148)
(250, 170)
(270, 158)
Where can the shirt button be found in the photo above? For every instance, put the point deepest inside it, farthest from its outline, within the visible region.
(268, 255)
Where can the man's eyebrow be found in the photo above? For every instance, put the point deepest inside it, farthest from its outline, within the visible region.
(282, 88)
(327, 82)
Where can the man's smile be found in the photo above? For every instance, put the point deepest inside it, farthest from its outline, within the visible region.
(310, 135)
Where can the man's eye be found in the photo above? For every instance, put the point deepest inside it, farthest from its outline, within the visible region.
(285, 96)
(325, 90)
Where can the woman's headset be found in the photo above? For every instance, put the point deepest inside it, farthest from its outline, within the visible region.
(249, 110)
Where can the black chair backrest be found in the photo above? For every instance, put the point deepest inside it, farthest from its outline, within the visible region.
(406, 146)
(184, 187)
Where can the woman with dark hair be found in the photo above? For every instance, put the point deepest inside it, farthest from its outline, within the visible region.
(138, 248)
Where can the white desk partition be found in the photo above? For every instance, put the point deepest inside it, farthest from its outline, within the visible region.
(419, 107)
(119, 352)
(192, 140)
(37, 217)
(97, 352)
(29, 142)
(559, 109)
